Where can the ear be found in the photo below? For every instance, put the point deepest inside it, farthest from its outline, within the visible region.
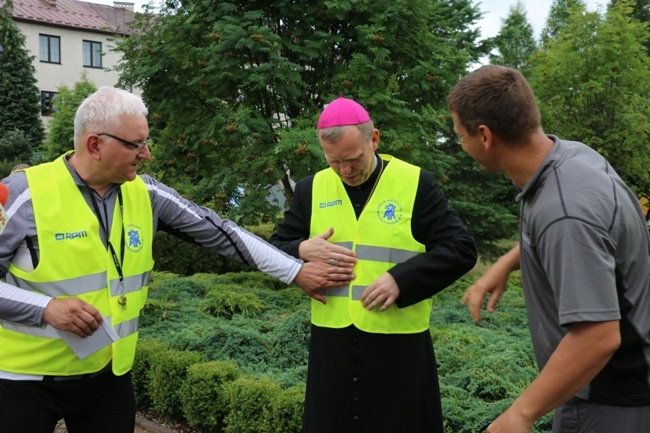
(92, 146)
(374, 139)
(486, 137)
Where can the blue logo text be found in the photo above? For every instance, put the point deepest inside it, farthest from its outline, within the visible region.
(330, 203)
(72, 235)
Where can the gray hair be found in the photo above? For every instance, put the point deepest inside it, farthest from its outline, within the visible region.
(334, 134)
(102, 110)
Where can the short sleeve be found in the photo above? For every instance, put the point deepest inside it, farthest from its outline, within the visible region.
(579, 261)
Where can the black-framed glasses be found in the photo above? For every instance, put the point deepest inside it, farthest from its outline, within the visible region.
(127, 143)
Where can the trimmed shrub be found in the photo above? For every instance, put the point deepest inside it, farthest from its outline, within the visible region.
(147, 349)
(285, 411)
(204, 398)
(249, 402)
(167, 374)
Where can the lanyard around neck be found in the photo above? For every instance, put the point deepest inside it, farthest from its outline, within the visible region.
(118, 262)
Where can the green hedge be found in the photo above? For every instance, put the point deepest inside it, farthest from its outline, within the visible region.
(145, 355)
(249, 401)
(240, 366)
(167, 377)
(212, 396)
(284, 413)
(204, 394)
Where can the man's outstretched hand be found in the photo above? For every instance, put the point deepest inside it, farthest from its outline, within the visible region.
(314, 276)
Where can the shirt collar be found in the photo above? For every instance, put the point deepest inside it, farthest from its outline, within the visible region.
(554, 157)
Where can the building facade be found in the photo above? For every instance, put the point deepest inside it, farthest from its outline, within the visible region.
(70, 38)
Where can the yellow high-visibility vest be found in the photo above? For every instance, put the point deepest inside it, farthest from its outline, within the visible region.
(381, 237)
(74, 263)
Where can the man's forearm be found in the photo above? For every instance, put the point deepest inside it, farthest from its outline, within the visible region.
(581, 354)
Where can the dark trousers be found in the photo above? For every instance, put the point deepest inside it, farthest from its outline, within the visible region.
(581, 416)
(101, 404)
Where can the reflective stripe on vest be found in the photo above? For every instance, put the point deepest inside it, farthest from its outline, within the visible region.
(123, 329)
(80, 285)
(75, 263)
(367, 252)
(381, 238)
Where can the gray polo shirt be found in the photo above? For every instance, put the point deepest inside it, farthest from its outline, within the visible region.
(585, 257)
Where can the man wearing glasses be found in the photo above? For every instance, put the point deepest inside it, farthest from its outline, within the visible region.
(76, 255)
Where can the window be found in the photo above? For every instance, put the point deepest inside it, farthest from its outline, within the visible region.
(92, 53)
(50, 49)
(47, 102)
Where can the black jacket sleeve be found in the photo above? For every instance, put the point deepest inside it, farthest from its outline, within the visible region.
(294, 228)
(450, 249)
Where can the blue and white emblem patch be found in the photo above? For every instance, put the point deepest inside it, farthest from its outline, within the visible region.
(133, 239)
(390, 211)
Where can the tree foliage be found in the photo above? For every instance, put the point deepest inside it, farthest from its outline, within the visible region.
(15, 149)
(19, 97)
(515, 42)
(641, 11)
(484, 201)
(593, 83)
(557, 18)
(61, 133)
(234, 90)
(235, 87)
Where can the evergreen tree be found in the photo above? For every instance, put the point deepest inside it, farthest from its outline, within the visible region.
(61, 135)
(15, 148)
(19, 97)
(557, 17)
(641, 11)
(484, 201)
(235, 87)
(515, 41)
(593, 83)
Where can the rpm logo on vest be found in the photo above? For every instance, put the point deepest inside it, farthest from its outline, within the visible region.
(390, 211)
(70, 235)
(326, 204)
(133, 238)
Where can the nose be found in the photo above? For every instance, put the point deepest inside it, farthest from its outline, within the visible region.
(345, 168)
(144, 153)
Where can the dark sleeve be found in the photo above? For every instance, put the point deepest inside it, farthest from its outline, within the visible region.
(294, 228)
(450, 249)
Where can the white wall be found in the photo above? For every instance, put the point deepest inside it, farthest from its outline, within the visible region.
(50, 76)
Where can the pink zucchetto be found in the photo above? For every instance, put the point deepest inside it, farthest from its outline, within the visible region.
(342, 112)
